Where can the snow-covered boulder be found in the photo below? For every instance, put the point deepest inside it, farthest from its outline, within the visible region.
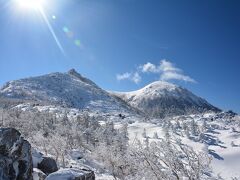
(37, 157)
(48, 165)
(15, 156)
(72, 174)
(76, 154)
(38, 174)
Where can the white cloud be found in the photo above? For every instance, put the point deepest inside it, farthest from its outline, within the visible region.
(166, 66)
(170, 72)
(149, 67)
(175, 76)
(123, 76)
(134, 77)
(166, 70)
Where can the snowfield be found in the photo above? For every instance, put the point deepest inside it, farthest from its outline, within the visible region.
(225, 157)
(220, 137)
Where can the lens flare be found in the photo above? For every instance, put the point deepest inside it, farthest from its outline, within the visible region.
(77, 42)
(52, 31)
(65, 29)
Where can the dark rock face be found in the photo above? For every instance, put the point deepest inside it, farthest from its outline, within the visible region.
(15, 156)
(48, 165)
(72, 174)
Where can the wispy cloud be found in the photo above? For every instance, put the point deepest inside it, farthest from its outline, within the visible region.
(123, 76)
(165, 69)
(134, 77)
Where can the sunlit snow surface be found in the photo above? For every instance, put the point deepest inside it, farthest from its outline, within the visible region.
(69, 90)
(225, 158)
(225, 155)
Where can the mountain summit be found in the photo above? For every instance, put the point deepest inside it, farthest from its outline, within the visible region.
(161, 99)
(69, 89)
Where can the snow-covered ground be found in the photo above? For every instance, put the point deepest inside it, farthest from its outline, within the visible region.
(223, 140)
(228, 157)
(225, 156)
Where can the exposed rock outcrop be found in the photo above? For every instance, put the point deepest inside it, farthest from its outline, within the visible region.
(15, 156)
(16, 161)
(48, 165)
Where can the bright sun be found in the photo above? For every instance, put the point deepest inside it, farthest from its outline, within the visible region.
(30, 4)
(38, 5)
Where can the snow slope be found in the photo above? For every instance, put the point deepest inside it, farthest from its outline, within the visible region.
(66, 90)
(225, 156)
(161, 99)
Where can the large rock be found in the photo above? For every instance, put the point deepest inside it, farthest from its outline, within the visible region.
(38, 174)
(37, 157)
(15, 156)
(72, 174)
(48, 165)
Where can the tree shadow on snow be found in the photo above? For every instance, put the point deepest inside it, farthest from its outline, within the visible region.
(212, 141)
(213, 132)
(215, 155)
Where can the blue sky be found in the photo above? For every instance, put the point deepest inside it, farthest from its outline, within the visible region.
(106, 39)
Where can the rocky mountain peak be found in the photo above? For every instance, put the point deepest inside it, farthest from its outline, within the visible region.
(77, 75)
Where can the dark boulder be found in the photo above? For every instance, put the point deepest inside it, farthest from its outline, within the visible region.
(15, 156)
(48, 165)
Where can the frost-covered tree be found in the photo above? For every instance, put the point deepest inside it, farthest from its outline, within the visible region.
(204, 125)
(164, 160)
(155, 135)
(193, 128)
(144, 134)
(57, 134)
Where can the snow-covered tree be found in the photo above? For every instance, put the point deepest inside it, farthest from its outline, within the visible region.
(144, 134)
(155, 135)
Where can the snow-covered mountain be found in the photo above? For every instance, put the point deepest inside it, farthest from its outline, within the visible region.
(72, 90)
(49, 114)
(63, 89)
(161, 99)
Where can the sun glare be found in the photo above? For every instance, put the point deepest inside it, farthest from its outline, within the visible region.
(38, 5)
(30, 4)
